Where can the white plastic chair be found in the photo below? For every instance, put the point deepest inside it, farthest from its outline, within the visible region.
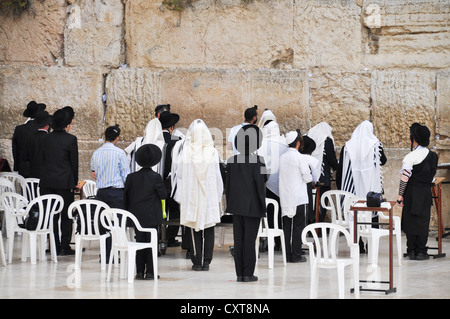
(15, 178)
(89, 188)
(271, 233)
(6, 186)
(30, 188)
(49, 205)
(333, 201)
(115, 220)
(88, 211)
(323, 254)
(374, 235)
(2, 251)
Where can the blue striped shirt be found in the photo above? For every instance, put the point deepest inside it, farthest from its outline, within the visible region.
(110, 165)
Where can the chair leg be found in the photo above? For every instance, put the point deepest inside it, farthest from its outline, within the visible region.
(131, 263)
(78, 250)
(103, 253)
(341, 281)
(32, 241)
(314, 282)
(270, 249)
(155, 260)
(2, 251)
(398, 237)
(53, 247)
(10, 248)
(111, 257)
(355, 268)
(283, 249)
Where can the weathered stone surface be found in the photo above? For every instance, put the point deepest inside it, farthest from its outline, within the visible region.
(401, 98)
(327, 33)
(131, 97)
(224, 34)
(340, 99)
(56, 87)
(443, 110)
(34, 38)
(407, 33)
(93, 34)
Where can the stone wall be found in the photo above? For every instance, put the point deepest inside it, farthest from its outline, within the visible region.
(339, 61)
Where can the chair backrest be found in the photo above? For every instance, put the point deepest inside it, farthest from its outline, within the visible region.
(6, 185)
(323, 250)
(90, 188)
(276, 211)
(115, 220)
(30, 188)
(48, 205)
(88, 211)
(14, 205)
(15, 178)
(333, 200)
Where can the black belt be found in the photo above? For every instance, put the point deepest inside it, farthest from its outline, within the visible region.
(111, 188)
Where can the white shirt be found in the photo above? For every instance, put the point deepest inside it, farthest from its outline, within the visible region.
(294, 176)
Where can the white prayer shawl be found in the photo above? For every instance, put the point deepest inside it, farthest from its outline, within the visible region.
(362, 157)
(153, 134)
(199, 182)
(415, 157)
(294, 176)
(266, 116)
(272, 147)
(319, 134)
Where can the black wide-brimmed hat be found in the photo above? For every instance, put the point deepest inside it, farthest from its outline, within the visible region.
(308, 145)
(33, 108)
(148, 155)
(70, 111)
(42, 119)
(61, 118)
(420, 133)
(248, 139)
(168, 119)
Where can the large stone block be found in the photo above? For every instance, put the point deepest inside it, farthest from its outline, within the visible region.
(56, 87)
(212, 34)
(35, 37)
(401, 98)
(327, 33)
(94, 34)
(407, 33)
(342, 100)
(443, 110)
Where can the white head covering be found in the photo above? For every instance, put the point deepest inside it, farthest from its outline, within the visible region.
(319, 134)
(199, 183)
(273, 145)
(363, 152)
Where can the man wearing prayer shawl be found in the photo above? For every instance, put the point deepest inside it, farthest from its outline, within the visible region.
(359, 170)
(273, 145)
(418, 170)
(199, 191)
(295, 174)
(324, 152)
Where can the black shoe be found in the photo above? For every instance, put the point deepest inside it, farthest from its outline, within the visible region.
(302, 259)
(173, 243)
(249, 278)
(240, 279)
(422, 256)
(66, 252)
(197, 267)
(412, 255)
(150, 276)
(140, 276)
(205, 267)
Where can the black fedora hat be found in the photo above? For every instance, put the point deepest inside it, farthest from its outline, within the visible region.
(42, 119)
(33, 108)
(148, 155)
(421, 134)
(308, 145)
(60, 119)
(70, 111)
(248, 139)
(168, 119)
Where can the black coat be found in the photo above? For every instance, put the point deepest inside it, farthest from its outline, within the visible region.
(245, 186)
(417, 199)
(20, 139)
(170, 143)
(34, 153)
(59, 161)
(329, 162)
(142, 196)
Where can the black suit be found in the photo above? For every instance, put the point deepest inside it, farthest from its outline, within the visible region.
(34, 153)
(142, 196)
(59, 175)
(20, 139)
(245, 191)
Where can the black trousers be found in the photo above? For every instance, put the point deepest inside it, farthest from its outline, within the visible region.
(245, 230)
(201, 246)
(114, 198)
(144, 257)
(62, 240)
(292, 228)
(416, 244)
